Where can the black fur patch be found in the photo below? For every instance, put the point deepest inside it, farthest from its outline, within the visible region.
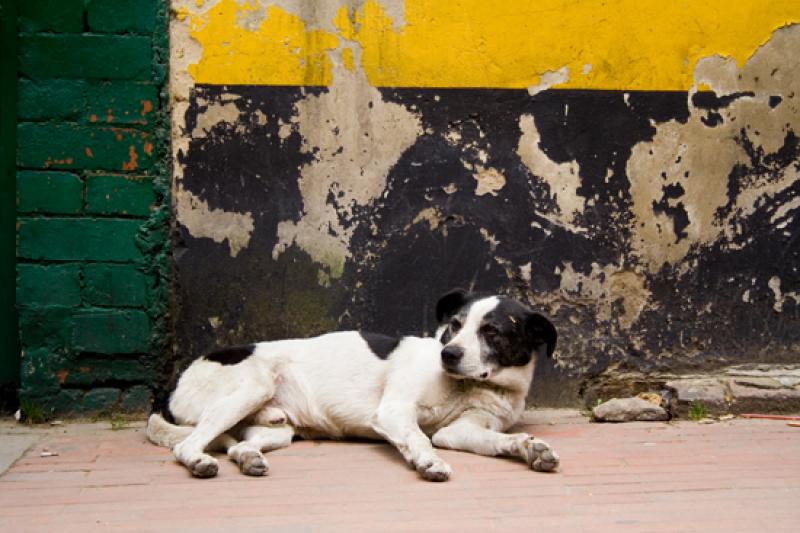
(514, 333)
(232, 355)
(381, 345)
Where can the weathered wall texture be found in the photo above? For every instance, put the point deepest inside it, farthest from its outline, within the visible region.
(630, 168)
(92, 203)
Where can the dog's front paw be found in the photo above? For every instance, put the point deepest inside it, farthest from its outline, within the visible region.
(434, 469)
(252, 463)
(203, 466)
(540, 456)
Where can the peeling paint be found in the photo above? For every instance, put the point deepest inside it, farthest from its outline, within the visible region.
(490, 181)
(562, 178)
(550, 79)
(355, 137)
(690, 187)
(215, 224)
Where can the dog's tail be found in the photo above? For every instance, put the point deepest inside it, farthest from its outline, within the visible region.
(162, 433)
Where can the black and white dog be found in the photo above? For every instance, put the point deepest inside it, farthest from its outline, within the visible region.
(459, 390)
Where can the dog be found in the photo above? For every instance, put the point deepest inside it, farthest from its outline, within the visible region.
(459, 390)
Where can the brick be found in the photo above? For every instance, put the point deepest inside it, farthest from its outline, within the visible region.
(112, 332)
(47, 327)
(83, 147)
(39, 371)
(50, 99)
(50, 15)
(121, 102)
(48, 285)
(49, 192)
(100, 400)
(118, 16)
(77, 238)
(114, 285)
(114, 57)
(93, 371)
(137, 398)
(119, 195)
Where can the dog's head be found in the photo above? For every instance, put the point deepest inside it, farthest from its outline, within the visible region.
(484, 335)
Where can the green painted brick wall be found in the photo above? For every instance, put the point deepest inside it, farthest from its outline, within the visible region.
(92, 202)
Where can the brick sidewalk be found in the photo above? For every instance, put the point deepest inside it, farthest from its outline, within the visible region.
(741, 475)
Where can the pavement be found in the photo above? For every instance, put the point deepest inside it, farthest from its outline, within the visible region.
(737, 475)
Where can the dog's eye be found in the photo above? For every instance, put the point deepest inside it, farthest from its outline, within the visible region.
(455, 324)
(489, 331)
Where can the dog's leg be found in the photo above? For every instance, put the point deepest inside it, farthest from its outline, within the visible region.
(217, 418)
(256, 439)
(475, 436)
(397, 423)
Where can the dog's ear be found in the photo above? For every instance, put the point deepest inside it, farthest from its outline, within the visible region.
(540, 332)
(450, 303)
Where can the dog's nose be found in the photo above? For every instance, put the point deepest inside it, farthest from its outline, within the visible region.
(451, 355)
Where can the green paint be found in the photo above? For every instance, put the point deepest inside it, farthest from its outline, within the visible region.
(101, 400)
(137, 398)
(115, 57)
(48, 285)
(49, 192)
(50, 99)
(93, 325)
(114, 285)
(119, 195)
(51, 16)
(121, 102)
(75, 146)
(79, 238)
(111, 332)
(121, 16)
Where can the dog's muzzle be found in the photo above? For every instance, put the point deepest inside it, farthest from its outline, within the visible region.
(451, 357)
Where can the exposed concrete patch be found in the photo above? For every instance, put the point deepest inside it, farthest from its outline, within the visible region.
(602, 288)
(680, 193)
(490, 181)
(356, 138)
(552, 78)
(215, 113)
(562, 178)
(216, 224)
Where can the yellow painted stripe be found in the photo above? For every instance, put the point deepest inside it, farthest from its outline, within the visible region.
(604, 44)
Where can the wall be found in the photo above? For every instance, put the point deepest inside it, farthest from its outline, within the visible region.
(630, 168)
(92, 202)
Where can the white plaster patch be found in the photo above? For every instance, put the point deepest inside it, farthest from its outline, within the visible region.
(490, 181)
(215, 113)
(698, 159)
(215, 224)
(562, 178)
(549, 79)
(355, 138)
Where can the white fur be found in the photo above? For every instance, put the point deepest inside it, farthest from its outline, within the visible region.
(333, 386)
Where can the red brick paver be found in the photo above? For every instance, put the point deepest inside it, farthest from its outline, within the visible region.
(741, 475)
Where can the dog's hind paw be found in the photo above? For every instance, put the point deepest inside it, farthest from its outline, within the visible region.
(204, 466)
(252, 463)
(540, 456)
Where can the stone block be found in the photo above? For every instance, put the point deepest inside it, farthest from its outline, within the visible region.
(138, 398)
(101, 400)
(628, 410)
